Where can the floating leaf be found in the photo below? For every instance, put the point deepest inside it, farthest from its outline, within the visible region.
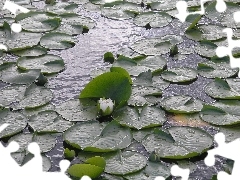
(78, 110)
(179, 74)
(48, 121)
(181, 104)
(47, 63)
(142, 117)
(187, 142)
(92, 136)
(111, 85)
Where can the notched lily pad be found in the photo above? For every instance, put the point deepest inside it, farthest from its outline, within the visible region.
(94, 137)
(140, 117)
(48, 63)
(186, 142)
(181, 104)
(179, 74)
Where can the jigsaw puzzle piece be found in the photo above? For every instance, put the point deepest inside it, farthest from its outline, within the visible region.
(177, 171)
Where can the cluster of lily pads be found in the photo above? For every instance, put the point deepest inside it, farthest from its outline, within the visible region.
(135, 82)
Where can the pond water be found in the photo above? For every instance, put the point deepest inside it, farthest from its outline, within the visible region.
(113, 35)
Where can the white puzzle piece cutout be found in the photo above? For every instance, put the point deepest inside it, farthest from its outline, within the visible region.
(33, 169)
(183, 12)
(228, 150)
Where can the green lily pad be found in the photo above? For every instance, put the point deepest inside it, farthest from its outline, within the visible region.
(155, 46)
(150, 172)
(206, 48)
(33, 51)
(223, 112)
(185, 142)
(211, 69)
(37, 21)
(140, 117)
(56, 40)
(92, 136)
(47, 63)
(35, 111)
(159, 19)
(120, 10)
(78, 110)
(28, 40)
(79, 170)
(16, 120)
(224, 89)
(179, 74)
(231, 133)
(10, 94)
(48, 121)
(61, 7)
(181, 104)
(35, 96)
(126, 162)
(10, 73)
(111, 85)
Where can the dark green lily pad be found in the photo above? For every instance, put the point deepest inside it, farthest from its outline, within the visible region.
(111, 85)
(33, 51)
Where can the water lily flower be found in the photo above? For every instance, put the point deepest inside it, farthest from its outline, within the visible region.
(105, 106)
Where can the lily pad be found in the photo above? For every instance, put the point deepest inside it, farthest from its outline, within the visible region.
(211, 69)
(33, 51)
(37, 21)
(61, 7)
(154, 19)
(140, 117)
(185, 142)
(35, 96)
(93, 136)
(78, 110)
(47, 63)
(224, 89)
(126, 162)
(206, 48)
(150, 172)
(111, 85)
(56, 40)
(11, 74)
(48, 121)
(11, 94)
(35, 111)
(223, 112)
(155, 46)
(181, 104)
(16, 120)
(179, 74)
